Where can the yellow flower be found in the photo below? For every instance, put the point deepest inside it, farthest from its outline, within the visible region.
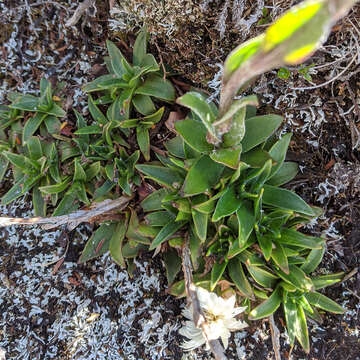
(220, 314)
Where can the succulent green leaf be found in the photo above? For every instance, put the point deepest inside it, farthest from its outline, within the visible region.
(98, 244)
(313, 259)
(175, 146)
(39, 203)
(227, 204)
(279, 257)
(268, 307)
(117, 59)
(296, 277)
(154, 200)
(79, 173)
(168, 230)
(246, 220)
(201, 224)
(95, 112)
(24, 102)
(143, 104)
(323, 302)
(324, 281)
(116, 241)
(32, 125)
(68, 204)
(157, 87)
(159, 218)
(89, 130)
(162, 175)
(237, 275)
(286, 173)
(296, 238)
(217, 272)
(4, 163)
(57, 188)
(266, 244)
(229, 157)
(34, 148)
(285, 199)
(143, 140)
(301, 330)
(258, 129)
(98, 83)
(139, 50)
(278, 152)
(256, 158)
(92, 170)
(14, 192)
(194, 134)
(202, 176)
(290, 311)
(263, 277)
(172, 265)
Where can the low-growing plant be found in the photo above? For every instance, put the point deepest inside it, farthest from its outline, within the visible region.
(219, 181)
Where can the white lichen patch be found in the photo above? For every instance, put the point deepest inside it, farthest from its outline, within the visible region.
(106, 316)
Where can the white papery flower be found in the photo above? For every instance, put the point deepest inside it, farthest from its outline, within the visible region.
(220, 315)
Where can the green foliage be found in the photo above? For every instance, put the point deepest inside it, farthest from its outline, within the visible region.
(132, 86)
(236, 216)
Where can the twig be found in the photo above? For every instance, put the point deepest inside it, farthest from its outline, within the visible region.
(330, 80)
(80, 10)
(275, 337)
(93, 214)
(161, 60)
(198, 315)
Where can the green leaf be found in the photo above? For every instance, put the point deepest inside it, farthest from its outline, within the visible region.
(296, 277)
(267, 307)
(39, 203)
(286, 173)
(246, 220)
(98, 244)
(263, 277)
(227, 204)
(258, 129)
(24, 102)
(313, 259)
(164, 234)
(57, 188)
(95, 112)
(79, 173)
(159, 218)
(175, 146)
(117, 59)
(154, 200)
(278, 152)
(301, 330)
(290, 311)
(237, 275)
(18, 161)
(162, 175)
(142, 135)
(4, 163)
(172, 265)
(143, 104)
(199, 105)
(240, 54)
(194, 134)
(285, 199)
(157, 87)
(229, 157)
(89, 130)
(295, 238)
(93, 170)
(323, 302)
(256, 158)
(279, 257)
(34, 147)
(324, 281)
(116, 241)
(217, 272)
(14, 192)
(266, 244)
(202, 176)
(139, 50)
(56, 111)
(96, 85)
(68, 204)
(201, 224)
(32, 125)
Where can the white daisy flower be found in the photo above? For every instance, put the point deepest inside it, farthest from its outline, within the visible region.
(220, 315)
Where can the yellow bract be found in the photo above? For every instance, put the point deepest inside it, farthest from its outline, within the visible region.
(297, 56)
(290, 22)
